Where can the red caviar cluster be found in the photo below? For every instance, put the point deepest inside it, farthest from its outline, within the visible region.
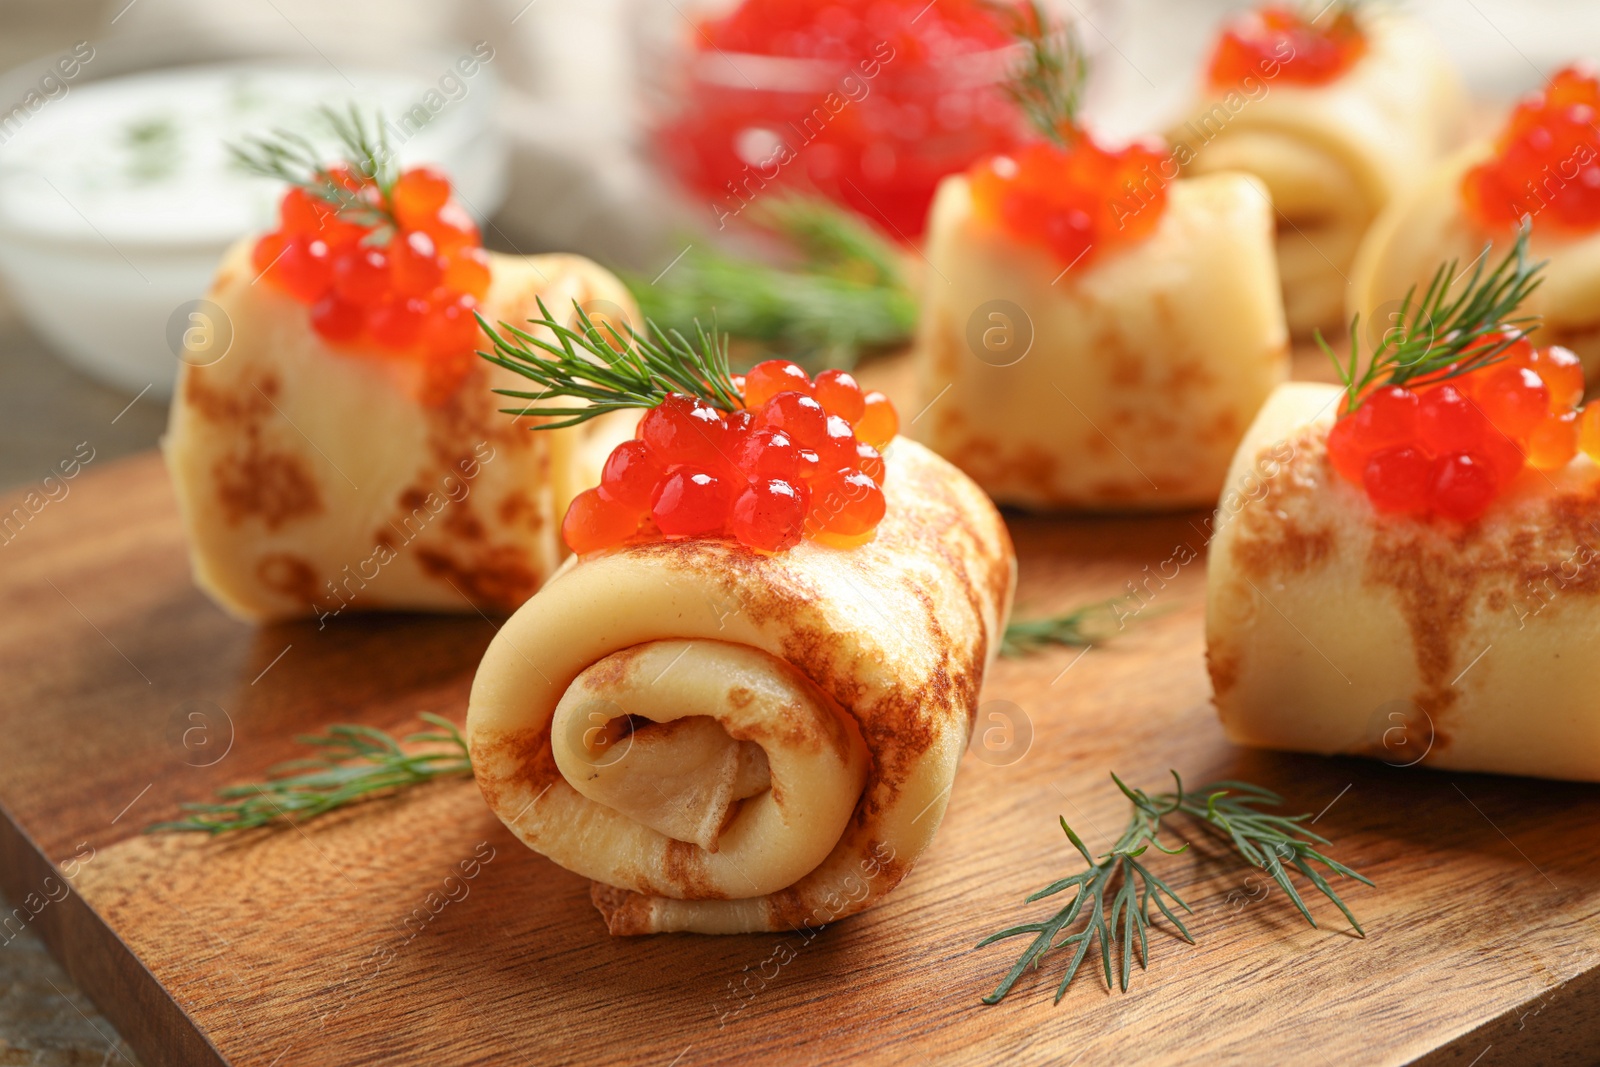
(406, 283)
(801, 458)
(1308, 50)
(892, 97)
(1071, 199)
(1546, 162)
(1449, 448)
(826, 29)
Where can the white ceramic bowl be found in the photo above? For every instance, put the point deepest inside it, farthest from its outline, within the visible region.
(117, 197)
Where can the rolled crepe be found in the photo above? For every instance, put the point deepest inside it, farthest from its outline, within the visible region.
(1332, 629)
(1431, 226)
(1125, 383)
(1332, 155)
(726, 741)
(313, 481)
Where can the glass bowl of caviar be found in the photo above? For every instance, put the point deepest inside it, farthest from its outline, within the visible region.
(869, 104)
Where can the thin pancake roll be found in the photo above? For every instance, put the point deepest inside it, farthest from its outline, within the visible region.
(1123, 383)
(1331, 155)
(1406, 245)
(728, 741)
(1332, 628)
(1543, 164)
(314, 479)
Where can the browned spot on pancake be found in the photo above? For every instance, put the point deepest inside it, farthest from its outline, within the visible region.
(1188, 375)
(532, 767)
(517, 507)
(795, 730)
(1433, 599)
(1275, 536)
(1223, 429)
(288, 574)
(497, 578)
(1223, 665)
(626, 913)
(787, 910)
(1126, 368)
(613, 671)
(683, 867)
(889, 872)
(229, 403)
(459, 520)
(991, 465)
(948, 348)
(271, 486)
(1293, 549)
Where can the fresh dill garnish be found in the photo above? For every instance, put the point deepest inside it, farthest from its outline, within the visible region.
(1079, 628)
(1047, 86)
(357, 763)
(609, 371)
(844, 296)
(290, 157)
(1437, 338)
(1227, 809)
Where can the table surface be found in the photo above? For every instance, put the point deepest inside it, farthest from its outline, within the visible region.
(46, 410)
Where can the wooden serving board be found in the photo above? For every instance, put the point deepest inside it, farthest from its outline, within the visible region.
(417, 930)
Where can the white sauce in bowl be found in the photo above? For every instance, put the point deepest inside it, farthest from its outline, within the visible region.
(142, 159)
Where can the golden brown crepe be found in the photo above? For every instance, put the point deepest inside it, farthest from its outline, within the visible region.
(1332, 156)
(727, 741)
(1122, 383)
(313, 481)
(1333, 629)
(1429, 227)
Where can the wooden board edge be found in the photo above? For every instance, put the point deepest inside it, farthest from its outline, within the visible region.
(105, 968)
(1559, 1027)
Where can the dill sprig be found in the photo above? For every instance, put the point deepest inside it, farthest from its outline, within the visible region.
(1437, 338)
(608, 371)
(1228, 809)
(845, 294)
(1269, 841)
(1128, 914)
(1047, 86)
(357, 763)
(832, 240)
(1078, 628)
(292, 158)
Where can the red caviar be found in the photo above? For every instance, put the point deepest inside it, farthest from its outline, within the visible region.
(1279, 42)
(788, 465)
(1073, 199)
(408, 291)
(870, 104)
(1451, 447)
(1546, 161)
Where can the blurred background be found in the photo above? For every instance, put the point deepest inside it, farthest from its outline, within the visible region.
(635, 132)
(612, 128)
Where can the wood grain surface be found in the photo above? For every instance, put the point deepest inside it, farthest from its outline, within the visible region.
(417, 930)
